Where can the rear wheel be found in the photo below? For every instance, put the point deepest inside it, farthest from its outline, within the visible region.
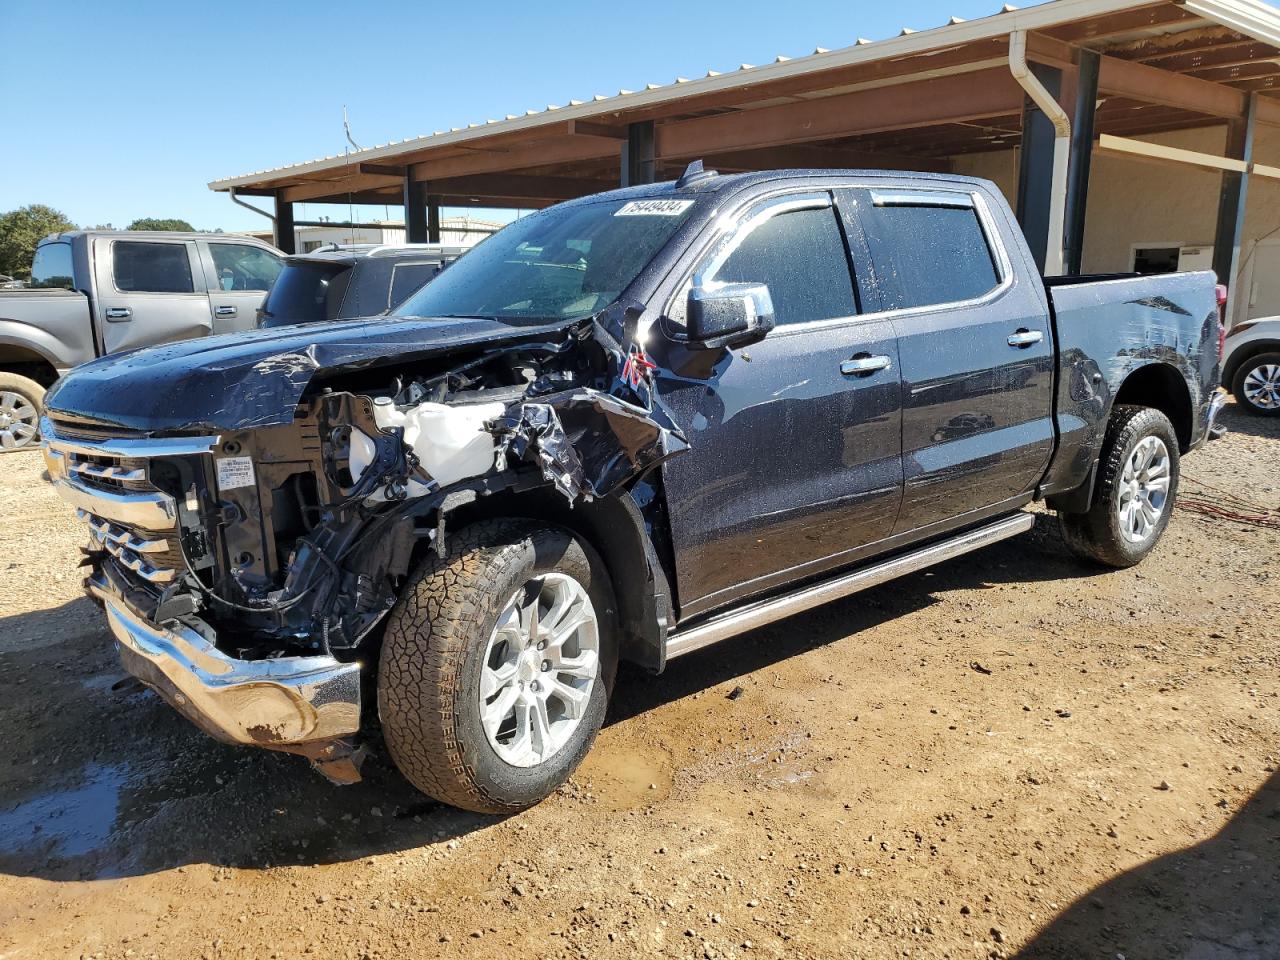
(20, 404)
(496, 666)
(1257, 384)
(1134, 495)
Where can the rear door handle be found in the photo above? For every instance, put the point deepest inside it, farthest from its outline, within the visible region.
(1025, 338)
(863, 364)
(119, 313)
(225, 311)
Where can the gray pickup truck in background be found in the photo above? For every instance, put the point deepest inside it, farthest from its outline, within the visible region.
(94, 292)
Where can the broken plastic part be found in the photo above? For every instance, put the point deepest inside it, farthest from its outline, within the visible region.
(588, 443)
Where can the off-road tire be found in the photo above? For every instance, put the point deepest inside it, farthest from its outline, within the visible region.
(1237, 383)
(433, 652)
(31, 391)
(1095, 535)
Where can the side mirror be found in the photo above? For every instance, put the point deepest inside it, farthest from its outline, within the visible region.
(729, 315)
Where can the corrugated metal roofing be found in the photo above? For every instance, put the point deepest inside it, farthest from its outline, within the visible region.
(1251, 17)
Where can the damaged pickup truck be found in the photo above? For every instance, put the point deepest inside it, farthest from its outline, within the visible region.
(625, 427)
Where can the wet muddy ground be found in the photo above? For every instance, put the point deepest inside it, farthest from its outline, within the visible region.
(1011, 755)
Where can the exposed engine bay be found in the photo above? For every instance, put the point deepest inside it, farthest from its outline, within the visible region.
(294, 538)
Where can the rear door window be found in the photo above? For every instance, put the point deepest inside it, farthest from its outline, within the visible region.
(142, 267)
(927, 251)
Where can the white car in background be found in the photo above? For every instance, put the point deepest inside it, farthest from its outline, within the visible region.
(1251, 365)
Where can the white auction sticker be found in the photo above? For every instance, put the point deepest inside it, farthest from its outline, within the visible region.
(653, 208)
(234, 472)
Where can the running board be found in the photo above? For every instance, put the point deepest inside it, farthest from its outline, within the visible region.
(767, 611)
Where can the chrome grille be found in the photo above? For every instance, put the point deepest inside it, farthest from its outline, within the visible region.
(106, 480)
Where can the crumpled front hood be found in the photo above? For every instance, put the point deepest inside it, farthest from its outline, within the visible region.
(255, 379)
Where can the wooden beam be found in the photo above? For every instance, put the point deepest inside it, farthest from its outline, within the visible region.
(1265, 170)
(516, 185)
(1159, 153)
(1045, 49)
(518, 157)
(383, 169)
(1127, 21)
(339, 186)
(807, 156)
(1226, 55)
(1153, 85)
(590, 128)
(986, 93)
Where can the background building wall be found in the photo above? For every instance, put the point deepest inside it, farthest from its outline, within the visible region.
(1133, 202)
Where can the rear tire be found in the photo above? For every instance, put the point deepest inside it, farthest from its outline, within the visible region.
(21, 402)
(1135, 491)
(465, 663)
(1257, 384)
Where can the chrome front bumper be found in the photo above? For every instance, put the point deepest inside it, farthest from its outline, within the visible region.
(281, 704)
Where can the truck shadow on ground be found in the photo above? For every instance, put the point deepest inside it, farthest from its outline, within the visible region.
(99, 783)
(1216, 900)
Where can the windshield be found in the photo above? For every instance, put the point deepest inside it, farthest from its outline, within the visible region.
(565, 262)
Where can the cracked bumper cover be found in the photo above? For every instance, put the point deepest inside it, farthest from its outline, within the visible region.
(281, 704)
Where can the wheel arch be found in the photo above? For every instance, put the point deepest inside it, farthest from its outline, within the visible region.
(26, 361)
(613, 527)
(1161, 387)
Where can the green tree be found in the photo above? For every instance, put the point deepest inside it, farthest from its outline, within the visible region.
(157, 223)
(21, 230)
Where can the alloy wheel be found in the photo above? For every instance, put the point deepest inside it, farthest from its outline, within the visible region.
(1262, 386)
(1144, 489)
(18, 421)
(540, 668)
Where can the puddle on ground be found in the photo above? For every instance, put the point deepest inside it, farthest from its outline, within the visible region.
(624, 774)
(68, 822)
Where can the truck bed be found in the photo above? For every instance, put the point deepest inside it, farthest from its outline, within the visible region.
(1106, 326)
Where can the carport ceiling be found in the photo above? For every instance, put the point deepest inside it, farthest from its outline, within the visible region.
(911, 101)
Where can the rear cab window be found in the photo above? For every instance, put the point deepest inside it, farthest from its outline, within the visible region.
(52, 268)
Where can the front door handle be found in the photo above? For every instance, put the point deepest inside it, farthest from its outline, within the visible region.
(863, 364)
(225, 311)
(119, 313)
(1024, 337)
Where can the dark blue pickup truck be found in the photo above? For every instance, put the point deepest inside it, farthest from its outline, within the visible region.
(625, 427)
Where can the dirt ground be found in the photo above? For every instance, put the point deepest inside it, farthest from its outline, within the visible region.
(1012, 755)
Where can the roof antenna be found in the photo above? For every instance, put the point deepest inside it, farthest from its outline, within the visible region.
(346, 128)
(694, 173)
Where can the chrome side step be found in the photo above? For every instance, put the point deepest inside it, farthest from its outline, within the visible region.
(767, 611)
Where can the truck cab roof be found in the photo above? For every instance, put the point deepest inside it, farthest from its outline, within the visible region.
(701, 183)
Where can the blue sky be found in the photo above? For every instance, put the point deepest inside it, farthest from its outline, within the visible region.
(115, 110)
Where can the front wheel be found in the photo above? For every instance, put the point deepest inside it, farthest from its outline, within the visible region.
(1133, 499)
(1257, 384)
(496, 666)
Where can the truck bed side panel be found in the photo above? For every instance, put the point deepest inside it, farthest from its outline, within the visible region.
(1107, 329)
(53, 323)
